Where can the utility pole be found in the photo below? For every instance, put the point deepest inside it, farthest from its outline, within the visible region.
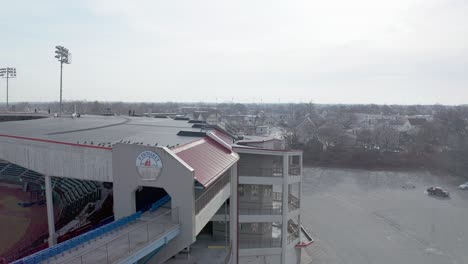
(7, 73)
(61, 71)
(64, 56)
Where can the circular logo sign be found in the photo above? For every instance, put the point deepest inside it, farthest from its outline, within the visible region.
(149, 165)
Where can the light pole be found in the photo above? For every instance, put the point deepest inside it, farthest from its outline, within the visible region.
(7, 73)
(64, 56)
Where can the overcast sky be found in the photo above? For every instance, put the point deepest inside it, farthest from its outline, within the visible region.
(327, 51)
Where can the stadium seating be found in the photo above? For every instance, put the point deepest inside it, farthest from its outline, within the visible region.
(79, 240)
(72, 194)
(63, 247)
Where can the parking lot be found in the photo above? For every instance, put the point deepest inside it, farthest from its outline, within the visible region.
(359, 216)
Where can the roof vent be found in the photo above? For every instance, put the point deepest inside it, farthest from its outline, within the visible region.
(196, 122)
(191, 133)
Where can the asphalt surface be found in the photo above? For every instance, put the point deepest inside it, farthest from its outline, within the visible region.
(359, 216)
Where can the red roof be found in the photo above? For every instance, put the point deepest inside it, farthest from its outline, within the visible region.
(208, 158)
(223, 136)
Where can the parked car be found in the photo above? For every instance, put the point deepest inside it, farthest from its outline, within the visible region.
(438, 191)
(464, 186)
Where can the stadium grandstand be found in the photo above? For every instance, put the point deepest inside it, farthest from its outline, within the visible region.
(110, 189)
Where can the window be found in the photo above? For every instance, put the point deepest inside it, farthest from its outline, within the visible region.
(254, 192)
(241, 190)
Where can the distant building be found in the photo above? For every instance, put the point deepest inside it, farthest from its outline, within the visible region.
(306, 130)
(262, 130)
(417, 121)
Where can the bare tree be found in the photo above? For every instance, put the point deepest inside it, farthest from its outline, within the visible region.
(364, 136)
(386, 137)
(329, 134)
(347, 120)
(291, 138)
(453, 123)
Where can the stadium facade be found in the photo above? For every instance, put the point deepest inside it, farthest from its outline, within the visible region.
(168, 180)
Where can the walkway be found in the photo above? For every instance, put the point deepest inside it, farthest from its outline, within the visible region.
(125, 242)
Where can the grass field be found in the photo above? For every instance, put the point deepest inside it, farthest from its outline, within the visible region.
(14, 221)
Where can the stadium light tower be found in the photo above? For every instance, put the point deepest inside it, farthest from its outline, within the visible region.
(7, 73)
(64, 56)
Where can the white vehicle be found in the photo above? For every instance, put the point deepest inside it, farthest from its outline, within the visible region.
(464, 186)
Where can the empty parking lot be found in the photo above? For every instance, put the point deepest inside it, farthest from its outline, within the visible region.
(360, 216)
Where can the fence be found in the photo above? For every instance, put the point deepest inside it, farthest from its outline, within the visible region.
(211, 192)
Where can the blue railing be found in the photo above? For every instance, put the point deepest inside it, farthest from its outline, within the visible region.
(76, 241)
(156, 205)
(93, 234)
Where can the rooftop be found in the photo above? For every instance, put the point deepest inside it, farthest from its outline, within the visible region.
(96, 130)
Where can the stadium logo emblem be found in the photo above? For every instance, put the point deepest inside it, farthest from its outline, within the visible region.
(149, 165)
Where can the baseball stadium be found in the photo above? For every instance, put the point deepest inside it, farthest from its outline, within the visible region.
(115, 189)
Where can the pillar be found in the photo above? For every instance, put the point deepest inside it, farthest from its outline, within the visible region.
(285, 211)
(234, 215)
(50, 211)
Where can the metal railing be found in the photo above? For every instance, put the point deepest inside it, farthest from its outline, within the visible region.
(260, 243)
(293, 203)
(260, 211)
(227, 259)
(294, 170)
(293, 236)
(261, 172)
(277, 196)
(211, 192)
(129, 242)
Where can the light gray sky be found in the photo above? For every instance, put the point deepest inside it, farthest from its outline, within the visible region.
(327, 51)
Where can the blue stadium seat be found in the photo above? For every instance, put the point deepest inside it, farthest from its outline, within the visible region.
(106, 228)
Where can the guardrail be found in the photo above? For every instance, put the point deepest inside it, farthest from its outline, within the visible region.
(156, 205)
(260, 243)
(211, 192)
(260, 211)
(261, 172)
(294, 170)
(79, 240)
(128, 243)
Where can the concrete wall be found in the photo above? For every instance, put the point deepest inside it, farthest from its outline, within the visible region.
(293, 255)
(176, 178)
(269, 144)
(205, 215)
(58, 159)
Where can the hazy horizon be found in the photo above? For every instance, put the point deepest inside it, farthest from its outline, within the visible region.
(207, 103)
(400, 52)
